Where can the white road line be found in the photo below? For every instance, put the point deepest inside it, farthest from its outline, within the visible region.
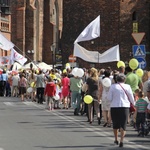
(82, 124)
(97, 131)
(8, 104)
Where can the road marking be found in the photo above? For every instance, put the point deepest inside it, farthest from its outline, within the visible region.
(29, 103)
(82, 124)
(8, 104)
(97, 130)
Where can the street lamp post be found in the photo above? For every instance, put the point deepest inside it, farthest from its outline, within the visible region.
(53, 54)
(31, 53)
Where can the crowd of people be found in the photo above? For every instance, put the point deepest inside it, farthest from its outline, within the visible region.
(110, 102)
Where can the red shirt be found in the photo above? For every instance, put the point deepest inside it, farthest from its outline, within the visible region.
(50, 89)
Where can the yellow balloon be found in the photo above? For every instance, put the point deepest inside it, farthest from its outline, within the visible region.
(88, 99)
(139, 72)
(67, 65)
(64, 71)
(37, 71)
(133, 63)
(120, 64)
(32, 85)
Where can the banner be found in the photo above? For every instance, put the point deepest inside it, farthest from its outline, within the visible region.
(5, 44)
(110, 55)
(92, 31)
(4, 60)
(15, 56)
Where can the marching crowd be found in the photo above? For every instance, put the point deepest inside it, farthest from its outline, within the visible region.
(114, 93)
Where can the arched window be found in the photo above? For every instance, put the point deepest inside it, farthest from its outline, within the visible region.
(134, 16)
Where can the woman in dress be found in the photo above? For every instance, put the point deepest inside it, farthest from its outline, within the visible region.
(22, 85)
(31, 81)
(104, 101)
(65, 89)
(92, 90)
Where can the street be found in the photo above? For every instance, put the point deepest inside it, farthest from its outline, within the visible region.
(29, 126)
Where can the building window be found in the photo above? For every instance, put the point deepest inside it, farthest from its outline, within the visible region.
(5, 6)
(5, 3)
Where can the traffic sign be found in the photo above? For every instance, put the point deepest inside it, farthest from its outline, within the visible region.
(142, 62)
(72, 58)
(138, 37)
(138, 50)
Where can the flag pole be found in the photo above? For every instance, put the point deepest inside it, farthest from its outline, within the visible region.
(26, 56)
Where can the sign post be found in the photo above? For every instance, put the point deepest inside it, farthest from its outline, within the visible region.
(138, 50)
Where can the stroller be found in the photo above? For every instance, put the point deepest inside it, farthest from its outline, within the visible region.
(145, 127)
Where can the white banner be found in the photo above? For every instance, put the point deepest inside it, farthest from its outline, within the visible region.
(15, 56)
(92, 31)
(110, 55)
(5, 44)
(4, 60)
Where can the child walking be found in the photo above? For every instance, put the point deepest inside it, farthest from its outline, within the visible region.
(140, 113)
(50, 91)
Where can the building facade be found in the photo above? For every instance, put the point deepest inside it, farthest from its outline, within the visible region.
(5, 22)
(37, 28)
(34, 28)
(116, 26)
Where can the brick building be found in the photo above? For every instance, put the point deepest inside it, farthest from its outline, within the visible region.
(36, 25)
(117, 18)
(33, 28)
(5, 23)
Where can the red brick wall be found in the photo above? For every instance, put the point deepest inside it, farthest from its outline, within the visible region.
(47, 35)
(116, 26)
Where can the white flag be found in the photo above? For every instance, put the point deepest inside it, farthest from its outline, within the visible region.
(92, 31)
(4, 60)
(15, 56)
(5, 44)
(110, 55)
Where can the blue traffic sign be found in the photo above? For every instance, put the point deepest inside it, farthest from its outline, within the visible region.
(142, 62)
(138, 50)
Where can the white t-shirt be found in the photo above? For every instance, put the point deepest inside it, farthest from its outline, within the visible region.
(148, 107)
(15, 80)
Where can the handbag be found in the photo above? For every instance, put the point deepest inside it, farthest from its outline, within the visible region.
(132, 108)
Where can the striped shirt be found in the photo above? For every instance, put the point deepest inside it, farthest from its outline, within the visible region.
(141, 105)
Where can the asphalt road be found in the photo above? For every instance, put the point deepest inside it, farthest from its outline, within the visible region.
(29, 126)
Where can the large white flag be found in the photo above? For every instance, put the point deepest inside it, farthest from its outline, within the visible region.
(5, 44)
(15, 56)
(4, 60)
(92, 31)
(109, 55)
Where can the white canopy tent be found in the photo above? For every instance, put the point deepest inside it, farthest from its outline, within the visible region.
(17, 66)
(27, 66)
(43, 65)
